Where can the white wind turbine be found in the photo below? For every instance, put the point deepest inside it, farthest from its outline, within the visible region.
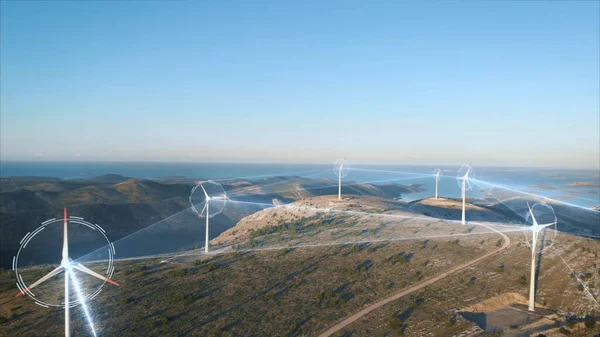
(341, 168)
(535, 229)
(211, 205)
(66, 265)
(465, 173)
(436, 175)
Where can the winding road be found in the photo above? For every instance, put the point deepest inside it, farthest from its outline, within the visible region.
(404, 292)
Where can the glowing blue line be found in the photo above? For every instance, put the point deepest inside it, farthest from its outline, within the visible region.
(385, 171)
(571, 196)
(336, 185)
(419, 175)
(80, 296)
(495, 185)
(392, 239)
(534, 195)
(580, 282)
(82, 258)
(277, 183)
(316, 209)
(425, 175)
(500, 201)
(267, 175)
(586, 199)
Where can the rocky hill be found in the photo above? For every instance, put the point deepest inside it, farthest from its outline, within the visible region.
(123, 205)
(276, 290)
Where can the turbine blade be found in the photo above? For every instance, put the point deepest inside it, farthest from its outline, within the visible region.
(65, 250)
(548, 224)
(205, 194)
(468, 171)
(82, 268)
(45, 278)
(204, 208)
(532, 217)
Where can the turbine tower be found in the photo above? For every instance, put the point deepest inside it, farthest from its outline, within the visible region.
(463, 178)
(436, 175)
(211, 205)
(535, 229)
(67, 264)
(340, 182)
(341, 168)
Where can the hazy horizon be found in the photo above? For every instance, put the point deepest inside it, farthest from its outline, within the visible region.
(420, 83)
(233, 162)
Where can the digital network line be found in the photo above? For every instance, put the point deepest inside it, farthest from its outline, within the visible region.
(487, 192)
(314, 172)
(359, 213)
(288, 181)
(536, 196)
(487, 183)
(330, 186)
(585, 287)
(486, 187)
(268, 175)
(342, 243)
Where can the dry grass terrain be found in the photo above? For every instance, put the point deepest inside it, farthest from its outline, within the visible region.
(504, 279)
(269, 288)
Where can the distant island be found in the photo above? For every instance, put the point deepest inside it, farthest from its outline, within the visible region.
(543, 187)
(585, 184)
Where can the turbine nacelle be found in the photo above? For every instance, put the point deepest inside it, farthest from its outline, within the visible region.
(210, 201)
(466, 176)
(463, 178)
(341, 168)
(437, 174)
(537, 227)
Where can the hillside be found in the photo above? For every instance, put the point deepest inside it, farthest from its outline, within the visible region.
(120, 204)
(123, 205)
(267, 288)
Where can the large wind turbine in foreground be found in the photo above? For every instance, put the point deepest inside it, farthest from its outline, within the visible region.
(463, 178)
(535, 229)
(218, 202)
(67, 265)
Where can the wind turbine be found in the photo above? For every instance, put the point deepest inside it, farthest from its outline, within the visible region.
(341, 168)
(436, 175)
(66, 265)
(535, 229)
(218, 202)
(465, 173)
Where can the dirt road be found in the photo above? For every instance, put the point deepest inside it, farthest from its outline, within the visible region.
(414, 288)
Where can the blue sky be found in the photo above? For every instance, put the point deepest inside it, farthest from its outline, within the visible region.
(496, 83)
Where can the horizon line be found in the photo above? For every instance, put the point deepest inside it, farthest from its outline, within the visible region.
(291, 163)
